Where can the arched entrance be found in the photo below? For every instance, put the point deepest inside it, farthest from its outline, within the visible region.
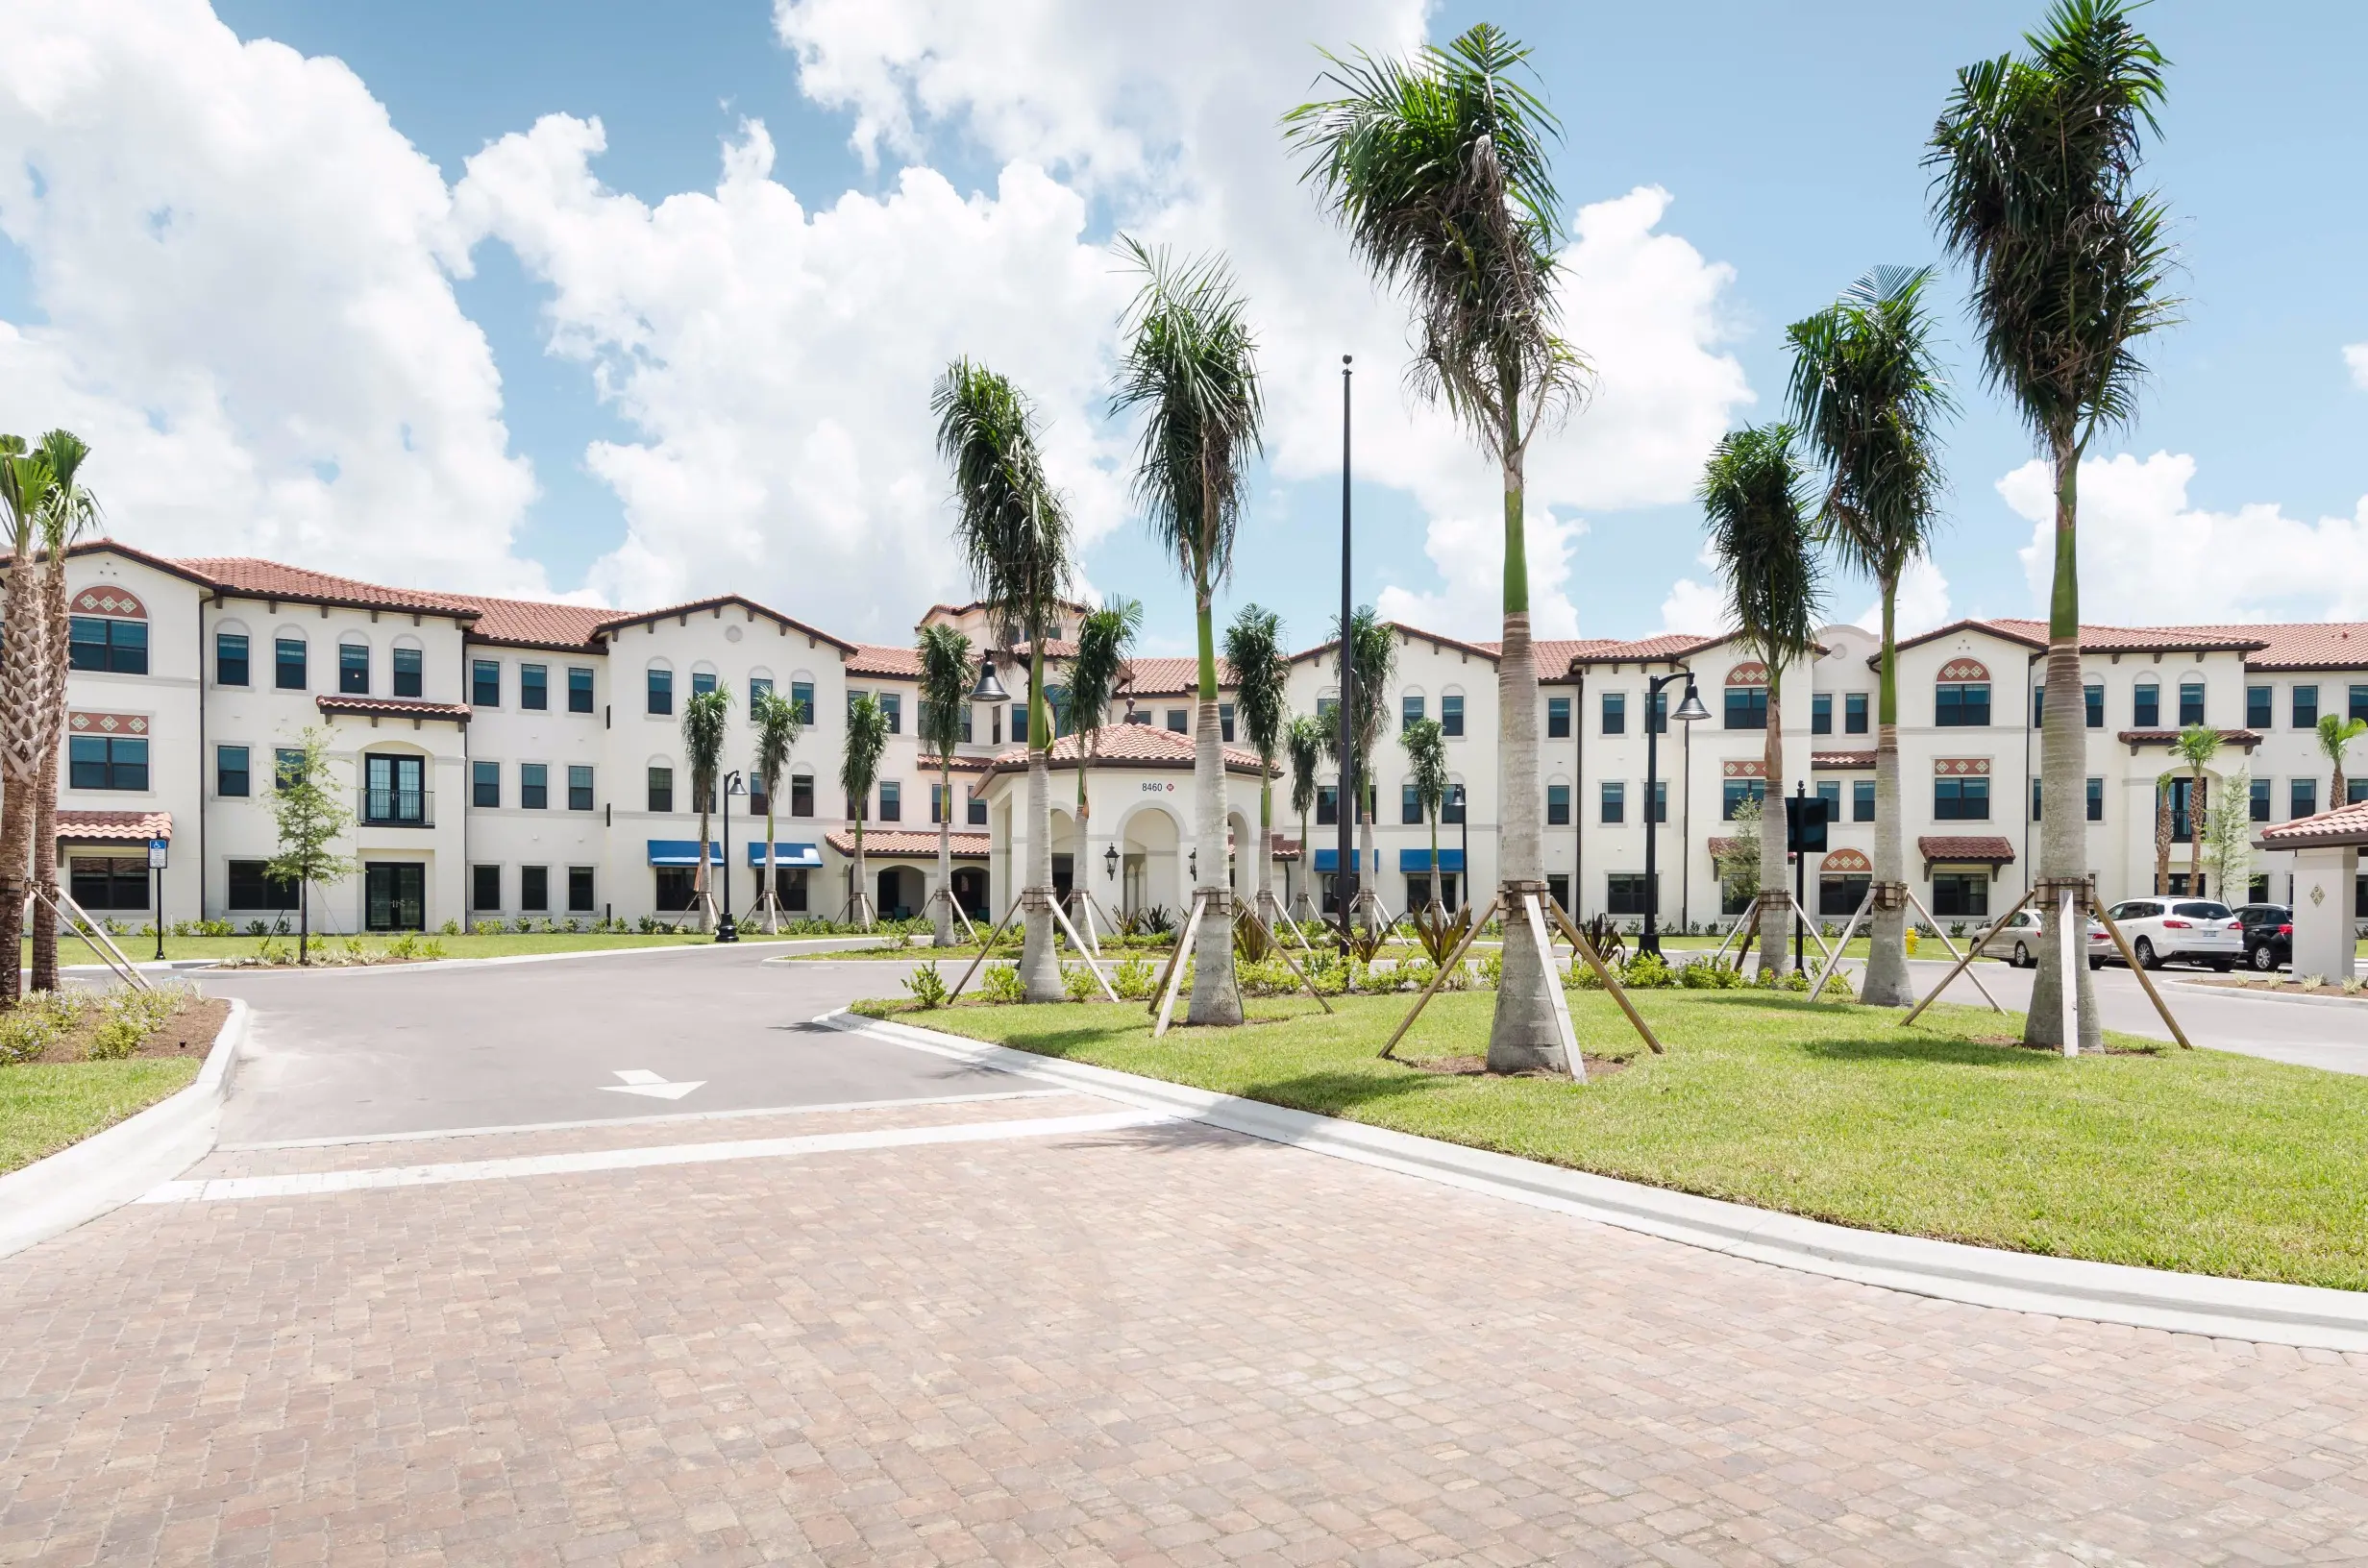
(1151, 873)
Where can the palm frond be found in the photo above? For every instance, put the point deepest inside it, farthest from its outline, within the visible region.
(945, 696)
(1260, 678)
(1011, 524)
(68, 510)
(867, 738)
(706, 720)
(1426, 743)
(1372, 643)
(1760, 535)
(778, 727)
(1105, 641)
(1304, 744)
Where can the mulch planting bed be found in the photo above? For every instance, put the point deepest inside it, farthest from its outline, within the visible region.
(189, 1030)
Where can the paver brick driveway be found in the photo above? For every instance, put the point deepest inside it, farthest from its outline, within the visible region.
(1164, 1343)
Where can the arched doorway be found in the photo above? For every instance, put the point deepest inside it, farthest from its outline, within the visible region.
(1150, 870)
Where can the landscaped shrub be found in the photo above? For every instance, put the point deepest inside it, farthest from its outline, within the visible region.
(1077, 981)
(928, 986)
(116, 1040)
(1493, 968)
(1000, 983)
(1134, 979)
(1709, 974)
(1647, 971)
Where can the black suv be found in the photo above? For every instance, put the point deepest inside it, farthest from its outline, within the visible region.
(2269, 934)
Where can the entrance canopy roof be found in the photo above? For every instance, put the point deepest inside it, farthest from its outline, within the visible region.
(1127, 746)
(682, 852)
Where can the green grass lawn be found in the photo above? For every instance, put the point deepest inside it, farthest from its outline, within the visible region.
(2197, 1161)
(46, 1106)
(142, 949)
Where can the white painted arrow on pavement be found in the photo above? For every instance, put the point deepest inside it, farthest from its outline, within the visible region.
(642, 1081)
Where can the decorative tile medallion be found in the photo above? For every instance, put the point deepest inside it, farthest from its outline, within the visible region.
(1752, 674)
(1848, 860)
(1756, 768)
(1961, 670)
(106, 723)
(1959, 766)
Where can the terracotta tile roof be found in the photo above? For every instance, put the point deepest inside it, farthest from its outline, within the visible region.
(392, 707)
(1127, 746)
(880, 659)
(1285, 847)
(1836, 761)
(1171, 678)
(2244, 738)
(535, 623)
(617, 619)
(1988, 847)
(274, 579)
(2273, 644)
(1327, 649)
(112, 826)
(899, 842)
(2095, 639)
(1655, 650)
(2329, 830)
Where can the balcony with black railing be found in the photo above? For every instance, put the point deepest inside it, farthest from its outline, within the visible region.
(398, 808)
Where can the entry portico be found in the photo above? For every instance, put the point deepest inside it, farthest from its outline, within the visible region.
(2326, 851)
(1134, 848)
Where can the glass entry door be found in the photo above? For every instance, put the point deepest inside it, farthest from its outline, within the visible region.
(395, 790)
(396, 895)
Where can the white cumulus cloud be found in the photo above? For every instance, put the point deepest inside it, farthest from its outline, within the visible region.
(2147, 555)
(236, 262)
(1923, 602)
(2355, 355)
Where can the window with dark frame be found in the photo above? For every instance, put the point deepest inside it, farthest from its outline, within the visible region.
(1451, 714)
(2301, 797)
(661, 791)
(1409, 711)
(1224, 722)
(1746, 707)
(231, 777)
(2306, 707)
(675, 888)
(2358, 708)
(1451, 811)
(1557, 718)
(2190, 702)
(287, 664)
(2146, 706)
(1960, 799)
(1613, 795)
(354, 669)
(2092, 698)
(1829, 791)
(534, 786)
(485, 887)
(107, 762)
(408, 664)
(1854, 713)
(661, 697)
(1861, 799)
(1327, 805)
(1960, 893)
(579, 890)
(578, 689)
(2258, 801)
(1558, 805)
(534, 889)
(578, 787)
(1661, 800)
(1623, 894)
(1615, 713)
(2096, 800)
(802, 795)
(486, 784)
(1961, 704)
(230, 658)
(974, 808)
(702, 681)
(891, 800)
(802, 698)
(104, 643)
(1822, 713)
(288, 767)
(252, 887)
(2257, 708)
(1409, 806)
(535, 687)
(1736, 791)
(107, 882)
(485, 683)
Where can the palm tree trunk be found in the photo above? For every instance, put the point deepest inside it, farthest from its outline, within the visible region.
(45, 849)
(1775, 912)
(1887, 983)
(1434, 898)
(704, 892)
(943, 908)
(2064, 764)
(862, 893)
(21, 711)
(773, 877)
(1307, 865)
(1040, 968)
(15, 844)
(2162, 839)
(1522, 1035)
(1368, 872)
(1265, 836)
(1216, 998)
(2195, 831)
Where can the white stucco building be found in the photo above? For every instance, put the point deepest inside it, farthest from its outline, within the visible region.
(520, 759)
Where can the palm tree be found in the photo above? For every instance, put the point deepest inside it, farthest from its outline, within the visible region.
(945, 703)
(2034, 189)
(24, 480)
(778, 727)
(706, 720)
(2336, 734)
(1105, 641)
(1191, 366)
(1764, 540)
(1425, 741)
(2196, 745)
(1373, 645)
(68, 511)
(867, 738)
(1867, 392)
(1437, 168)
(1013, 530)
(1262, 702)
(1306, 741)
(2162, 831)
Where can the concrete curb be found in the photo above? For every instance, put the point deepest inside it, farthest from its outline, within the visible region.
(2309, 1316)
(2299, 999)
(109, 1168)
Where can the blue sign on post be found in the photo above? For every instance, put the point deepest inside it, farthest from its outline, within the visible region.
(159, 850)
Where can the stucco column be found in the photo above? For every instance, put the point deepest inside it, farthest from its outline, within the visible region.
(2323, 921)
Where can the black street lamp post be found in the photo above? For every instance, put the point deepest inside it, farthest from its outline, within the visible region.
(725, 930)
(1351, 788)
(1688, 711)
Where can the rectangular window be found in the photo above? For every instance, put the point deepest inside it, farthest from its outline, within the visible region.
(759, 686)
(1558, 889)
(1451, 810)
(2190, 702)
(2360, 703)
(1557, 718)
(106, 762)
(485, 683)
(1822, 713)
(287, 664)
(802, 795)
(230, 771)
(1410, 711)
(892, 703)
(534, 786)
(1614, 800)
(2038, 706)
(580, 900)
(578, 689)
(2301, 797)
(1224, 722)
(485, 887)
(1748, 707)
(1558, 805)
(2259, 801)
(2096, 800)
(578, 787)
(967, 736)
(1623, 894)
(1615, 713)
(1842, 894)
(1409, 806)
(2146, 706)
(1829, 791)
(661, 790)
(662, 691)
(2258, 714)
(2036, 805)
(2306, 707)
(230, 658)
(1328, 712)
(1861, 799)
(534, 889)
(974, 807)
(288, 767)
(1736, 791)
(1962, 704)
(102, 643)
(1179, 720)
(1854, 713)
(891, 801)
(1960, 799)
(102, 882)
(535, 687)
(394, 791)
(1961, 892)
(251, 889)
(354, 669)
(675, 890)
(802, 698)
(2092, 698)
(1327, 805)
(407, 666)
(484, 784)
(702, 681)
(1451, 714)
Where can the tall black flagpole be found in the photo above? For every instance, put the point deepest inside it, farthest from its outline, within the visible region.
(1350, 787)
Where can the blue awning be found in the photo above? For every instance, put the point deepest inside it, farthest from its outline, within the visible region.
(682, 852)
(1417, 861)
(792, 857)
(1329, 860)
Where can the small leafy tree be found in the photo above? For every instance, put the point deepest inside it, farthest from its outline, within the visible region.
(1737, 860)
(1261, 695)
(2228, 836)
(1304, 744)
(310, 816)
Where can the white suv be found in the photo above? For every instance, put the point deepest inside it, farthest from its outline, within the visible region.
(2176, 930)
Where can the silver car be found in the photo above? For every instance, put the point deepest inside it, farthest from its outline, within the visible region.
(2018, 941)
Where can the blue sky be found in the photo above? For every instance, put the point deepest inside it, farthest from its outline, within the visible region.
(1786, 140)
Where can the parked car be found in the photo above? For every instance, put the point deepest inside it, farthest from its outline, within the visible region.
(2174, 930)
(2017, 941)
(2269, 936)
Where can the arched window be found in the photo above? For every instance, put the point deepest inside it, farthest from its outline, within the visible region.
(411, 666)
(354, 664)
(233, 654)
(2146, 704)
(702, 677)
(108, 630)
(288, 648)
(661, 687)
(1410, 705)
